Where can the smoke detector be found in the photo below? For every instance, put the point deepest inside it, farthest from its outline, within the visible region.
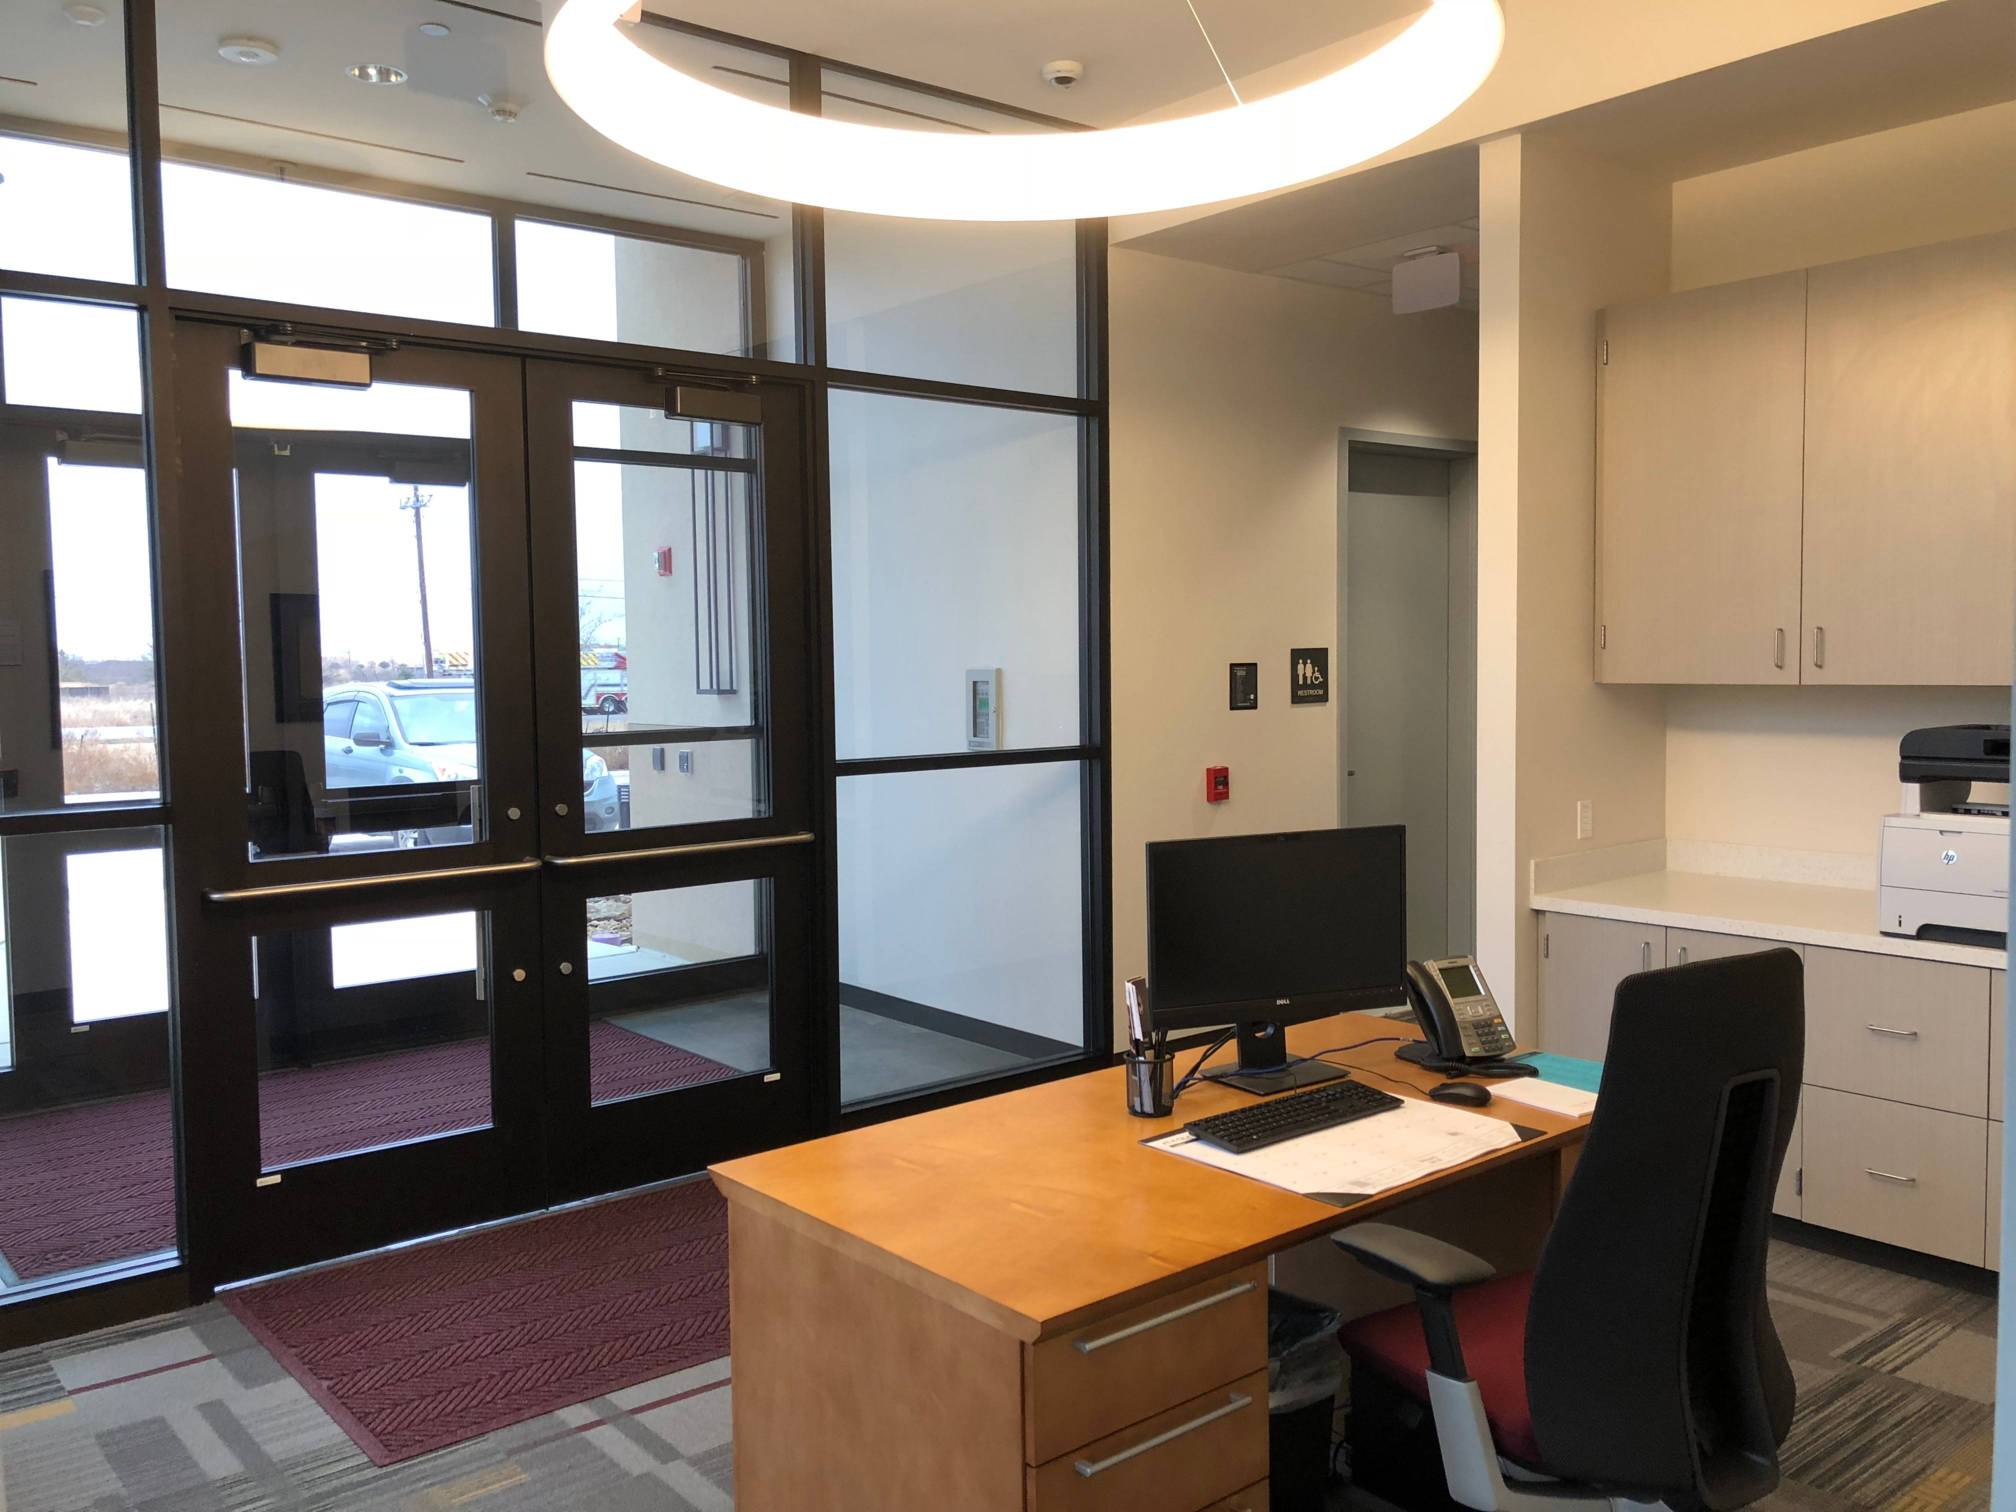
(84, 13)
(503, 109)
(1063, 73)
(253, 52)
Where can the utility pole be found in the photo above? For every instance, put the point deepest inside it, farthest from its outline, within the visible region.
(416, 504)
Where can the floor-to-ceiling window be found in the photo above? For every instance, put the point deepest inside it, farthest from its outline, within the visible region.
(967, 681)
(320, 703)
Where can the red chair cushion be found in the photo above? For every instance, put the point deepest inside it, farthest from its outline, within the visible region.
(1491, 1321)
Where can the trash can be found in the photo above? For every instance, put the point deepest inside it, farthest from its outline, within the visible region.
(1305, 1366)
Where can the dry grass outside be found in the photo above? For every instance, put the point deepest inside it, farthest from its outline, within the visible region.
(106, 713)
(91, 767)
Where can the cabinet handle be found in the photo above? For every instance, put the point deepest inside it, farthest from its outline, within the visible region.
(1779, 659)
(1090, 1468)
(1644, 955)
(1891, 1176)
(1683, 955)
(1898, 1033)
(1819, 645)
(1087, 1346)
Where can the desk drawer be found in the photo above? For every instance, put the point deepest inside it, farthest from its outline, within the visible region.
(1252, 1499)
(1187, 1459)
(1081, 1386)
(1907, 1176)
(1888, 1026)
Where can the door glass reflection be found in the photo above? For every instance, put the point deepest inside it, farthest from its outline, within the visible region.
(670, 570)
(679, 989)
(371, 1034)
(357, 585)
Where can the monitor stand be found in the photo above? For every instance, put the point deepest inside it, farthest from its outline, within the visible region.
(1263, 1064)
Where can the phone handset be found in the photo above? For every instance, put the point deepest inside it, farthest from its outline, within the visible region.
(1466, 1034)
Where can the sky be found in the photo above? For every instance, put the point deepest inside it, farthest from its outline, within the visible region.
(63, 210)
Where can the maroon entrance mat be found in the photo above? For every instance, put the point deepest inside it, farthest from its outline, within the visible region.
(93, 1183)
(426, 1347)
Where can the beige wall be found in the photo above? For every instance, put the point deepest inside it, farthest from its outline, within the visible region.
(1229, 390)
(1935, 181)
(1811, 769)
(1562, 235)
(1815, 768)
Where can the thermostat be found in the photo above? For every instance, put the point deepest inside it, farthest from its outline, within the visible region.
(983, 709)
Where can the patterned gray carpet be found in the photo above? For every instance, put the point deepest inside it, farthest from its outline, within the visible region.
(189, 1414)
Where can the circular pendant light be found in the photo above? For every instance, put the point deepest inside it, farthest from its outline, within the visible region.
(1309, 132)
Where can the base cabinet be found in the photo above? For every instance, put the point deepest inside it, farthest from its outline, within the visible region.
(1898, 1137)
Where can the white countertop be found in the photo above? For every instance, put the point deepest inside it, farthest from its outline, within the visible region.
(1795, 912)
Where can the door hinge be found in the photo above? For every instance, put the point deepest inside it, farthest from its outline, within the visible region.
(1606, 351)
(1547, 947)
(1602, 637)
(1799, 1182)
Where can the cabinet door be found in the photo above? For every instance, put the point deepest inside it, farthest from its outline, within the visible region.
(1998, 1037)
(1907, 1176)
(1911, 466)
(1785, 1202)
(1698, 485)
(1684, 945)
(1994, 1196)
(1581, 963)
(1892, 1027)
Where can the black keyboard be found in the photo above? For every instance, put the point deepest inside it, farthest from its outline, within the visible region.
(1280, 1118)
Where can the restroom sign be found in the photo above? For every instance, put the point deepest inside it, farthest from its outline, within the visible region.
(1309, 675)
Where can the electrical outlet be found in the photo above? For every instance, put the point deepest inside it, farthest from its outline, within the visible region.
(1585, 819)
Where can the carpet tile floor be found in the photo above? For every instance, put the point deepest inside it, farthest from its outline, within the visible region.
(189, 1413)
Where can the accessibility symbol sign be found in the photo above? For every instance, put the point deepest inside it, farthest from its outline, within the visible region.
(1309, 675)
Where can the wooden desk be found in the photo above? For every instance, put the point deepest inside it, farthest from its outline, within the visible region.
(911, 1302)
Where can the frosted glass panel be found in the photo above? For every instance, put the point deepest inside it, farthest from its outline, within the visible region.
(955, 548)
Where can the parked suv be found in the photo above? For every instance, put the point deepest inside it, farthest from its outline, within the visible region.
(424, 730)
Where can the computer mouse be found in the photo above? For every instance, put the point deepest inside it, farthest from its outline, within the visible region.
(1470, 1094)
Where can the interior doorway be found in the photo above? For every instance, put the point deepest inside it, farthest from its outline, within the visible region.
(1408, 628)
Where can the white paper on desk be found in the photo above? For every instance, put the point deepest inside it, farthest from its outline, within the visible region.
(1366, 1155)
(1569, 1102)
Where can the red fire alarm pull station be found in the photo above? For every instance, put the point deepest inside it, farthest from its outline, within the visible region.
(1217, 784)
(664, 561)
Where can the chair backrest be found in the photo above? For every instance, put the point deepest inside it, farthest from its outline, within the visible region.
(1652, 1364)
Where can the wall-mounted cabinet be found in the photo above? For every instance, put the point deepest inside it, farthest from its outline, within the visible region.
(1698, 469)
(1812, 477)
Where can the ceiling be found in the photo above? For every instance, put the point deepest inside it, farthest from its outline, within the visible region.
(1930, 62)
(1141, 57)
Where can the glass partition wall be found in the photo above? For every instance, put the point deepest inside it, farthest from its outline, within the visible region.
(813, 525)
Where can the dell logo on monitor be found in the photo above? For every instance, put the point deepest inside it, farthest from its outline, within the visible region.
(1282, 1002)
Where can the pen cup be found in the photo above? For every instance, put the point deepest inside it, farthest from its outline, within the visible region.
(1151, 1085)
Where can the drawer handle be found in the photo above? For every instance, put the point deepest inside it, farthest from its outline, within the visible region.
(1895, 1033)
(1087, 1346)
(1891, 1176)
(1090, 1468)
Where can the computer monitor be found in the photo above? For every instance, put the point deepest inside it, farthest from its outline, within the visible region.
(1262, 931)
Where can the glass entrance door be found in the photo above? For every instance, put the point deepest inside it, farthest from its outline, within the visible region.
(673, 648)
(458, 948)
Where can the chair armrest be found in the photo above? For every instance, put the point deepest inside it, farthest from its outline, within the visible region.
(1436, 1270)
(1416, 1260)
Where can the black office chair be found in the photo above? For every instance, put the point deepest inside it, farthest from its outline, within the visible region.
(1638, 1363)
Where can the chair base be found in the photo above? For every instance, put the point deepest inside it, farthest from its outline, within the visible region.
(1442, 1460)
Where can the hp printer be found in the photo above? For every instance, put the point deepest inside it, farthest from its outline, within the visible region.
(1945, 864)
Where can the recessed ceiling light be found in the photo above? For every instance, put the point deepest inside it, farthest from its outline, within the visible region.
(253, 52)
(433, 28)
(377, 73)
(84, 13)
